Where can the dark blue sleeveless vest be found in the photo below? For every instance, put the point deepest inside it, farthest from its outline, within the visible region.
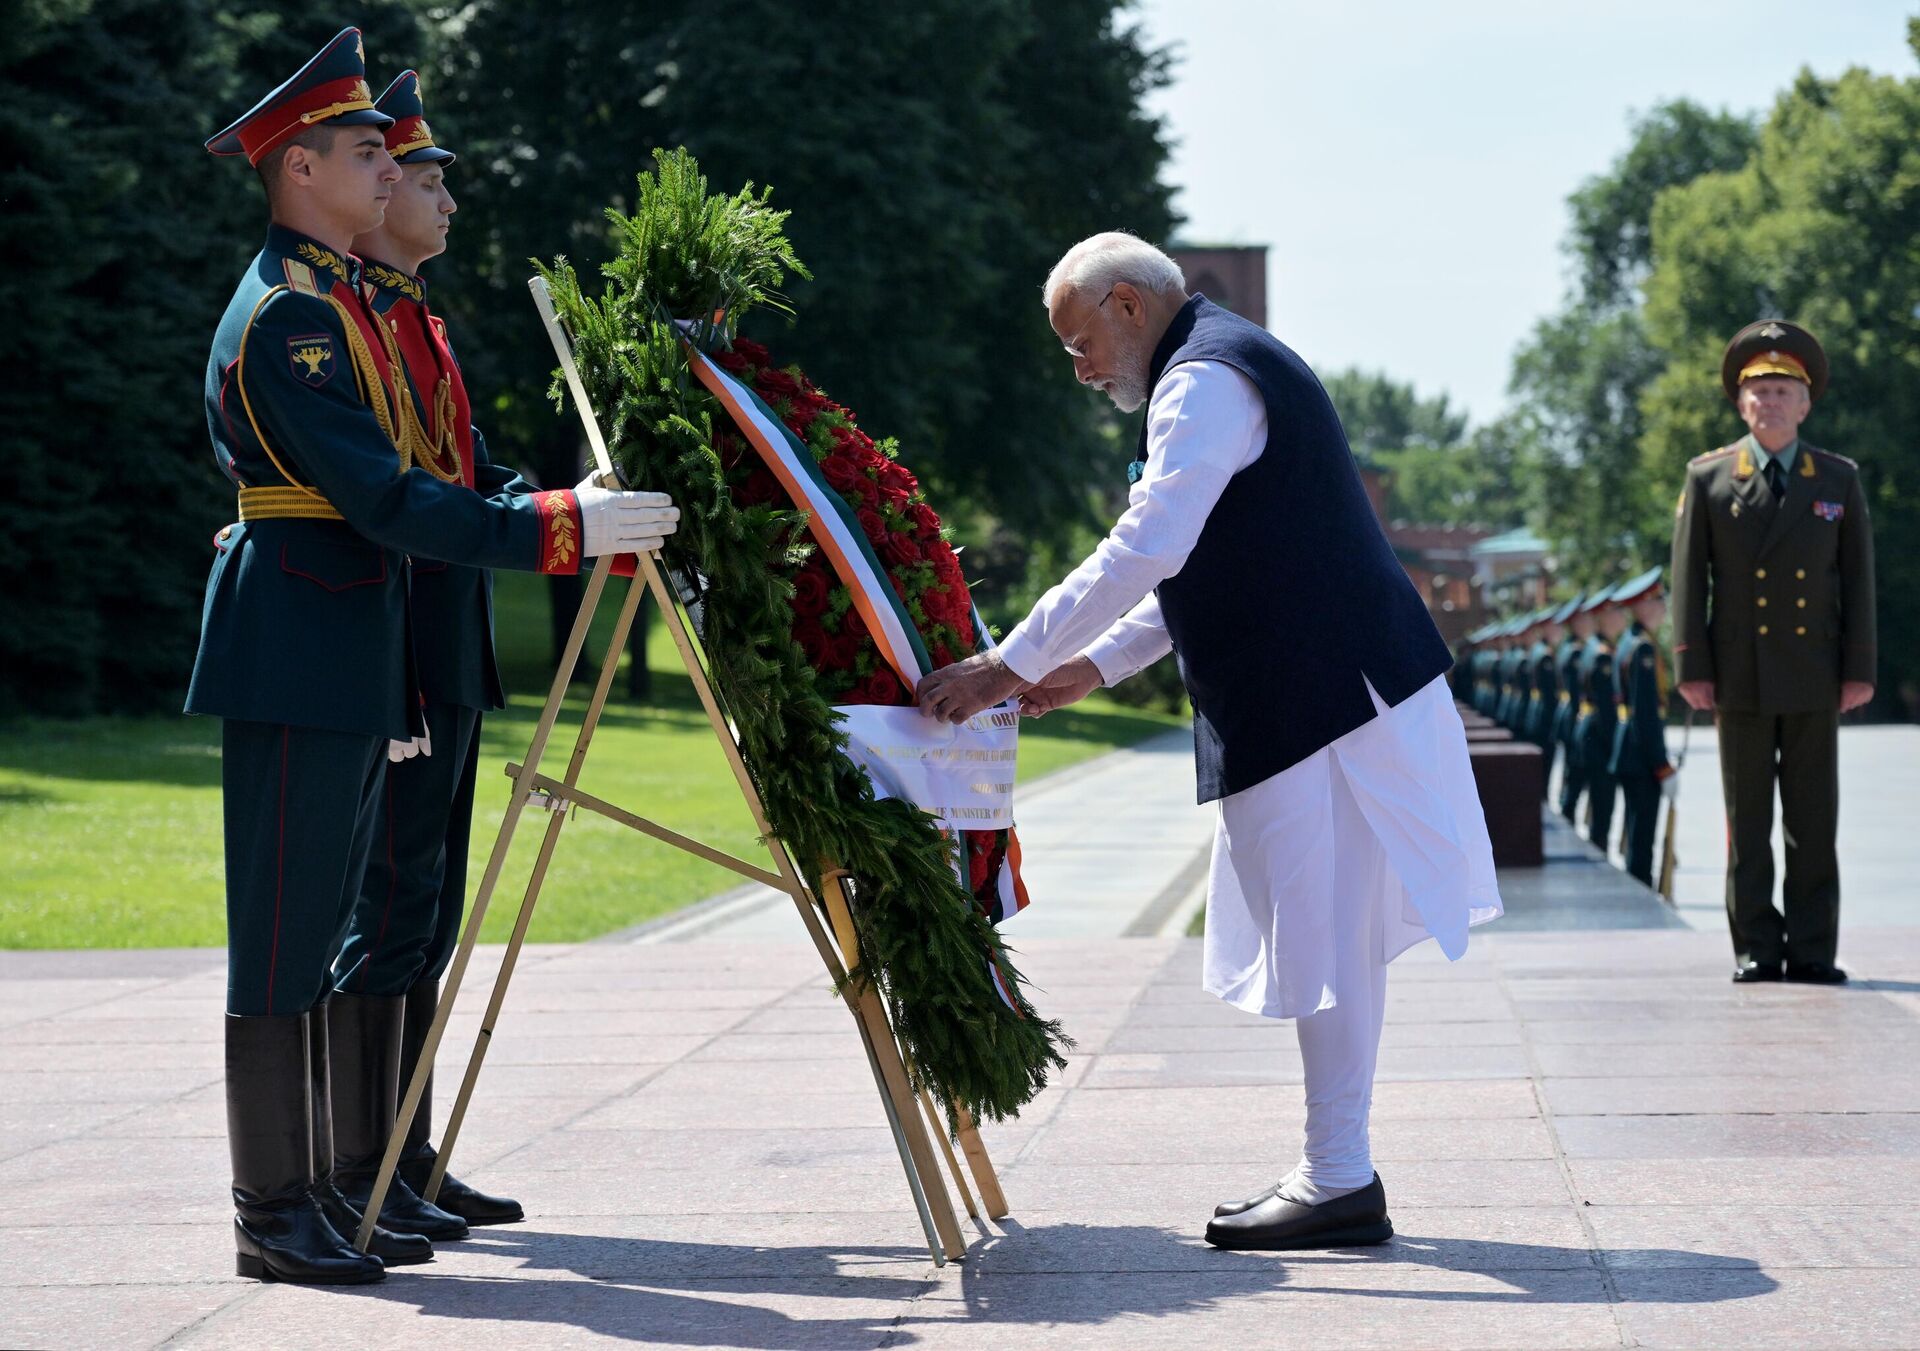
(1292, 594)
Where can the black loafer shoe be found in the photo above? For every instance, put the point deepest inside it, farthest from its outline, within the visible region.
(1241, 1207)
(1816, 973)
(1748, 973)
(1355, 1220)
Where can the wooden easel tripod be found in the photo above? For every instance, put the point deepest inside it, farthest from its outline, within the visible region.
(914, 1135)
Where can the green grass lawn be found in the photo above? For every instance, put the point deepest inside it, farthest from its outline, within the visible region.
(110, 827)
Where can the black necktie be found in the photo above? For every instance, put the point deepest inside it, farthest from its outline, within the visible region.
(1776, 479)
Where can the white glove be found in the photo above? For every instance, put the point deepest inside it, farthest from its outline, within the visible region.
(1670, 786)
(406, 750)
(622, 522)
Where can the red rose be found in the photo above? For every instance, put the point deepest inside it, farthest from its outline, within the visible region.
(945, 566)
(809, 593)
(760, 489)
(751, 350)
(882, 687)
(802, 409)
(892, 475)
(852, 439)
(892, 497)
(923, 518)
(775, 385)
(733, 362)
(942, 656)
(872, 525)
(865, 491)
(841, 473)
(809, 634)
(899, 548)
(843, 649)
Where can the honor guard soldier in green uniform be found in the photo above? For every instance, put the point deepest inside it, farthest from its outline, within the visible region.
(1544, 701)
(1639, 762)
(1579, 627)
(407, 921)
(306, 647)
(1596, 714)
(1513, 661)
(1774, 631)
(1485, 660)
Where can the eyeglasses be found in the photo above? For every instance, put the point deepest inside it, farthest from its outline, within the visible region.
(1073, 348)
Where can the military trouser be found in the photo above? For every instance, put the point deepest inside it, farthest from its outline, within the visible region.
(1802, 752)
(1548, 748)
(407, 921)
(1573, 781)
(1640, 796)
(299, 806)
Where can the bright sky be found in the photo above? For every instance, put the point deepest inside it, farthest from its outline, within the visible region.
(1408, 164)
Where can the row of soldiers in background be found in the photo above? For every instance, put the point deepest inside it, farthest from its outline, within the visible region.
(1585, 681)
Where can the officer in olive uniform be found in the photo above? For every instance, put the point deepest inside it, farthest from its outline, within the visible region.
(407, 921)
(305, 645)
(1774, 630)
(1544, 700)
(1575, 629)
(1639, 759)
(1513, 662)
(1486, 661)
(1596, 714)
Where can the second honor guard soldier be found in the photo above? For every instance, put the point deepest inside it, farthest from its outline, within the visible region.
(1595, 715)
(305, 643)
(404, 929)
(1774, 631)
(1639, 752)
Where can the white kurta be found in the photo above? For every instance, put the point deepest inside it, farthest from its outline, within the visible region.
(1292, 879)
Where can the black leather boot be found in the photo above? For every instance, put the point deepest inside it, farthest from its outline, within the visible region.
(392, 1249)
(365, 1035)
(279, 1230)
(417, 1160)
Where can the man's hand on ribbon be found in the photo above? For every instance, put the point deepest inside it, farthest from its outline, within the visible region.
(622, 522)
(1066, 684)
(957, 692)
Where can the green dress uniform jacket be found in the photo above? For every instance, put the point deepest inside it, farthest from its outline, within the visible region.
(1543, 702)
(306, 616)
(1773, 602)
(1566, 716)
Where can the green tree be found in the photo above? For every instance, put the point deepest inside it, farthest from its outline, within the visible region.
(1821, 224)
(1578, 380)
(1436, 471)
(123, 239)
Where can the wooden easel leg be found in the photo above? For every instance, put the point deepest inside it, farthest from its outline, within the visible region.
(894, 1070)
(615, 646)
(503, 842)
(988, 1181)
(938, 1130)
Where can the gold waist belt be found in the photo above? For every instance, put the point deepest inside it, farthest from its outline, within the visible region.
(1585, 708)
(1565, 698)
(285, 504)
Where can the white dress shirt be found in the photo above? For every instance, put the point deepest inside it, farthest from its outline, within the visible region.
(1205, 424)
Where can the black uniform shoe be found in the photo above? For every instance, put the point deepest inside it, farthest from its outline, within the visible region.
(279, 1230)
(1240, 1207)
(1749, 973)
(416, 1162)
(392, 1249)
(1816, 973)
(365, 1032)
(1351, 1221)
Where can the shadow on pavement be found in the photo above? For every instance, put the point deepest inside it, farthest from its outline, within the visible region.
(705, 1294)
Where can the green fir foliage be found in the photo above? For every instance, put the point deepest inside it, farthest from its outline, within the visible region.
(685, 252)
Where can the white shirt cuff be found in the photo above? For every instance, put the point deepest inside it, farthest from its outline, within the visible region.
(1024, 657)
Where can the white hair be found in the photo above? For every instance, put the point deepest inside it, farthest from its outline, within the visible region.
(1100, 262)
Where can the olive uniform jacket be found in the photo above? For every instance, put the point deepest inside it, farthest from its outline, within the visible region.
(1773, 602)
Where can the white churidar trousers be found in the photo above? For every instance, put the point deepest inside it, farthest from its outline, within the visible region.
(1325, 873)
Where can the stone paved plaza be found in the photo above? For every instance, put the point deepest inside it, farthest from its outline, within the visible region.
(1589, 1138)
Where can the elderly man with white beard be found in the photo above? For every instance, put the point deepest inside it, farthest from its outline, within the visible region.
(1348, 826)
